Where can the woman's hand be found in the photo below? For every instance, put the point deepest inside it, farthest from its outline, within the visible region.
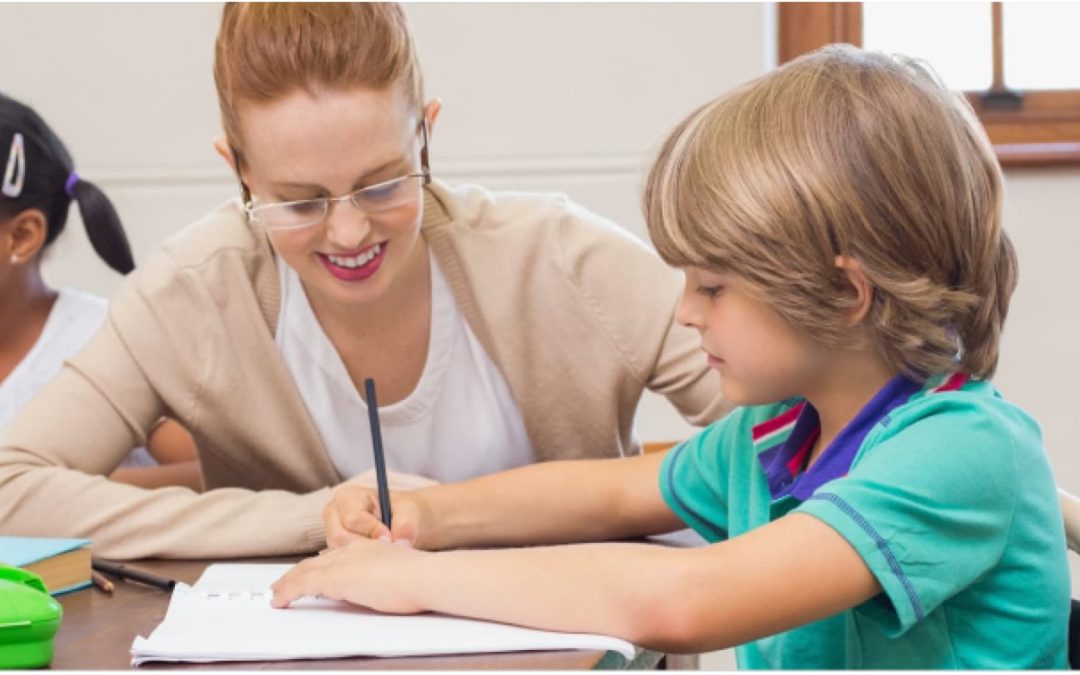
(367, 573)
(353, 515)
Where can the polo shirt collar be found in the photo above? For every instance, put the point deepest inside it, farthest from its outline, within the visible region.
(783, 458)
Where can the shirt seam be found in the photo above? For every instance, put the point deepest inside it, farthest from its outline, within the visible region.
(188, 273)
(1015, 496)
(205, 348)
(587, 302)
(882, 545)
(954, 653)
(247, 248)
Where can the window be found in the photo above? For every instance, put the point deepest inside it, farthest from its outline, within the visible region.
(1017, 63)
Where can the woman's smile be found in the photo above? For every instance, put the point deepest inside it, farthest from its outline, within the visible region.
(355, 266)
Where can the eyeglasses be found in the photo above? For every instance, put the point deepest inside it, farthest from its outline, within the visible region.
(303, 213)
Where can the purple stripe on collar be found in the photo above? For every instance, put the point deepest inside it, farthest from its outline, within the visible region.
(781, 466)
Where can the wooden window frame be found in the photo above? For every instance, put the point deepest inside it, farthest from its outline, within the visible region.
(1041, 128)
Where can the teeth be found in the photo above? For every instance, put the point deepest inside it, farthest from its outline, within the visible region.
(356, 261)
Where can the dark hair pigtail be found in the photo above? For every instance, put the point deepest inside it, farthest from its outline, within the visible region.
(103, 226)
(51, 182)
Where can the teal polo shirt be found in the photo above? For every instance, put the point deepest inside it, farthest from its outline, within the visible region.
(945, 492)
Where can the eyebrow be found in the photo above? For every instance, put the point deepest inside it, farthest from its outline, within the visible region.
(356, 184)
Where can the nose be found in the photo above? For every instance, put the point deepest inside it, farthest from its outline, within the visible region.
(346, 225)
(688, 311)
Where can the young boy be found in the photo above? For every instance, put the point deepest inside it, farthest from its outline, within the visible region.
(875, 503)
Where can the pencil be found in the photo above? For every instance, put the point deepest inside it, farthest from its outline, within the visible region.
(101, 581)
(125, 573)
(377, 449)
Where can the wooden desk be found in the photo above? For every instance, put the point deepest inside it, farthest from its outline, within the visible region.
(98, 629)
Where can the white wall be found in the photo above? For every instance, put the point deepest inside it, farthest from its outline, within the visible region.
(130, 90)
(568, 98)
(561, 97)
(1040, 362)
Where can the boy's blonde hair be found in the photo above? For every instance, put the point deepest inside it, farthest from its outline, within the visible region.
(267, 50)
(846, 152)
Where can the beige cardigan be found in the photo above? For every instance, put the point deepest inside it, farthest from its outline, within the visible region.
(575, 312)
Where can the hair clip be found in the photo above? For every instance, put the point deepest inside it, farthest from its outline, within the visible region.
(16, 168)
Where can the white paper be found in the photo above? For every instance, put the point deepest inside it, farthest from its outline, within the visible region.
(227, 616)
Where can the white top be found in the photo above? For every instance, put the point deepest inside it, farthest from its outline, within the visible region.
(75, 318)
(461, 420)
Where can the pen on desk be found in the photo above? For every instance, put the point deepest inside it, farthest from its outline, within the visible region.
(377, 449)
(101, 581)
(125, 573)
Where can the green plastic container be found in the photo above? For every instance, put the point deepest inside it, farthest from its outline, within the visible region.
(29, 618)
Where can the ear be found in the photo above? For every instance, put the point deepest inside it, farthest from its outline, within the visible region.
(859, 285)
(23, 236)
(431, 114)
(221, 145)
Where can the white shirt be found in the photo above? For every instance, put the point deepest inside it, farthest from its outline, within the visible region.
(461, 420)
(74, 319)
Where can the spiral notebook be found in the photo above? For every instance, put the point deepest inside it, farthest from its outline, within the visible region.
(226, 616)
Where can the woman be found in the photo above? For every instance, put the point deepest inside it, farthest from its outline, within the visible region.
(501, 329)
(39, 326)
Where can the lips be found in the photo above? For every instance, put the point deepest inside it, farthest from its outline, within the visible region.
(356, 266)
(714, 361)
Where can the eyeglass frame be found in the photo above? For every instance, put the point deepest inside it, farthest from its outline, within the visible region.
(249, 202)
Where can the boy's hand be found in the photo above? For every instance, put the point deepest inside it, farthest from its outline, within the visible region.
(367, 573)
(352, 514)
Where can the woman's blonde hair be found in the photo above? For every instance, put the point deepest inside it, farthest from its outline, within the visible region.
(267, 50)
(853, 153)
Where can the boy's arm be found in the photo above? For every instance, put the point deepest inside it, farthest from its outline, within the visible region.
(555, 502)
(790, 572)
(546, 503)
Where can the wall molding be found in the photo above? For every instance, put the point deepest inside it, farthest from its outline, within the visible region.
(538, 167)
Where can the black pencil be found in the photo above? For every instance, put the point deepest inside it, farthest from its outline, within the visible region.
(125, 573)
(377, 449)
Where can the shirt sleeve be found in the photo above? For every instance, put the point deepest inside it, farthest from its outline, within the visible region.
(633, 295)
(694, 477)
(82, 425)
(929, 507)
